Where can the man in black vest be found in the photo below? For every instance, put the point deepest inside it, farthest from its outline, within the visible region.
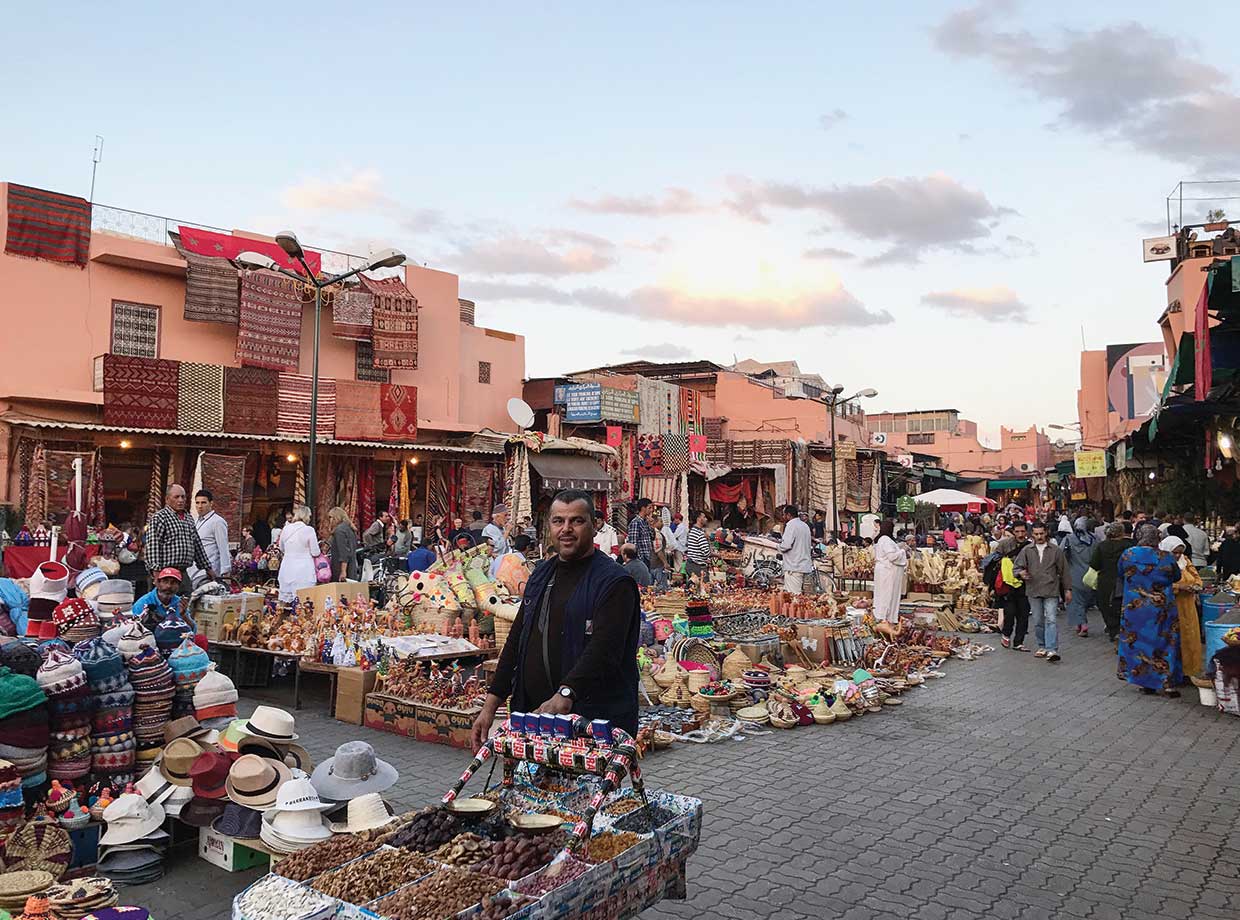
(573, 646)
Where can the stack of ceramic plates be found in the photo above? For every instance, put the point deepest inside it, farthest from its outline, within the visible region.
(81, 897)
(15, 887)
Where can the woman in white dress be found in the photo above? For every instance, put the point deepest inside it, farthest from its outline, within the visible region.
(299, 544)
(890, 562)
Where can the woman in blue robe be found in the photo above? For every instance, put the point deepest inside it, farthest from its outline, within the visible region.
(1149, 633)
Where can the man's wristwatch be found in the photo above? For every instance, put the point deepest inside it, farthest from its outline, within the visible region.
(567, 693)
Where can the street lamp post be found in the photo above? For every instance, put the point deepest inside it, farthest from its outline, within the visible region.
(833, 400)
(287, 240)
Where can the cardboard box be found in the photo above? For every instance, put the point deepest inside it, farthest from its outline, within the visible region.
(445, 726)
(352, 686)
(227, 853)
(386, 713)
(215, 612)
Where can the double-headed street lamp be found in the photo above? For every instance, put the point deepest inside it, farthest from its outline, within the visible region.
(832, 398)
(287, 240)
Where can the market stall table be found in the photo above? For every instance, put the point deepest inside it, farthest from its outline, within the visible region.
(21, 561)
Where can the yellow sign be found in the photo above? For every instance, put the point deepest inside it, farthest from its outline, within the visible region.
(1090, 464)
(845, 450)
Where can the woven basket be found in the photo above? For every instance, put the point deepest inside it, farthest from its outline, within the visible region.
(669, 675)
(678, 695)
(503, 626)
(777, 722)
(700, 704)
(697, 680)
(822, 714)
(650, 684)
(735, 665)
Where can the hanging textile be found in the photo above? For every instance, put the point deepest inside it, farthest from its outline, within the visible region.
(394, 320)
(475, 490)
(293, 411)
(346, 490)
(728, 493)
(251, 395)
(744, 454)
(61, 480)
(223, 475)
(200, 397)
(155, 490)
(398, 406)
(227, 246)
(628, 481)
(36, 489)
(517, 483)
(329, 481)
(95, 512)
(212, 287)
(364, 364)
(820, 486)
(675, 449)
(649, 460)
(405, 504)
(393, 505)
(682, 505)
(1203, 365)
(247, 493)
(353, 314)
(140, 392)
(691, 410)
(697, 495)
(47, 225)
(299, 484)
(659, 405)
(269, 331)
(358, 415)
(365, 493)
(437, 493)
(781, 485)
(660, 489)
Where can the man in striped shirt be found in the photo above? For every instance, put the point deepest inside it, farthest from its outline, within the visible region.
(697, 547)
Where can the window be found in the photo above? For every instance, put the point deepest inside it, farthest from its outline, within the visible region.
(1018, 437)
(365, 365)
(484, 371)
(135, 329)
(927, 438)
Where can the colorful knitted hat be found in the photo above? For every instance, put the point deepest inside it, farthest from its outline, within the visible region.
(60, 673)
(188, 662)
(169, 634)
(69, 612)
(18, 693)
(50, 581)
(19, 657)
(133, 638)
(101, 661)
(87, 583)
(147, 669)
(214, 689)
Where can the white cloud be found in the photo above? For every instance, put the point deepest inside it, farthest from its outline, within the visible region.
(664, 351)
(829, 307)
(831, 119)
(671, 202)
(361, 190)
(995, 304)
(550, 254)
(828, 252)
(1123, 82)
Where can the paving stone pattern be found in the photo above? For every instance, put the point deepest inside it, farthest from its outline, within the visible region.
(1010, 789)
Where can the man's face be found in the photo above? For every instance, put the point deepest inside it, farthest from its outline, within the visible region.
(202, 504)
(910, 540)
(500, 519)
(176, 498)
(931, 543)
(648, 511)
(458, 523)
(1141, 517)
(1020, 532)
(166, 587)
(1039, 535)
(572, 528)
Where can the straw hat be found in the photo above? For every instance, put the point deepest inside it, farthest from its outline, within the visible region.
(184, 727)
(271, 723)
(366, 812)
(293, 755)
(255, 781)
(154, 786)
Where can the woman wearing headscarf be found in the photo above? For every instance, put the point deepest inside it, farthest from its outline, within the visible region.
(1192, 652)
(1078, 548)
(1149, 633)
(890, 562)
(1105, 561)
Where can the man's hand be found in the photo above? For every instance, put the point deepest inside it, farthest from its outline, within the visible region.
(212, 575)
(481, 729)
(1067, 596)
(557, 706)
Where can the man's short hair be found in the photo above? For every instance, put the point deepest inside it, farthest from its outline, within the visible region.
(521, 543)
(628, 551)
(572, 496)
(477, 515)
(792, 511)
(204, 493)
(1039, 525)
(642, 503)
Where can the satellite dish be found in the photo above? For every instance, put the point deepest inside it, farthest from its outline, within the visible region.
(520, 413)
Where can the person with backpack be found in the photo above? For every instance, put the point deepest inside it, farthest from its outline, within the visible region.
(1011, 590)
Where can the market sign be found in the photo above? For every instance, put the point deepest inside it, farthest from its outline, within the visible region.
(620, 405)
(905, 460)
(845, 450)
(906, 504)
(560, 395)
(1158, 249)
(1089, 464)
(583, 402)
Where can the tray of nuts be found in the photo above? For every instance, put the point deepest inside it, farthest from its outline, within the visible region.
(463, 850)
(438, 896)
(517, 857)
(502, 906)
(429, 830)
(553, 877)
(373, 876)
(317, 859)
(606, 847)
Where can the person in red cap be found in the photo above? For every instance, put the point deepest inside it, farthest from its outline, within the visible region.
(163, 602)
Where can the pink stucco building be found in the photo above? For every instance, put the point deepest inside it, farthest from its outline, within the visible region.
(944, 434)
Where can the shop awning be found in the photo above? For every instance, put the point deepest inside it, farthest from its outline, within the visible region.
(570, 471)
(1008, 484)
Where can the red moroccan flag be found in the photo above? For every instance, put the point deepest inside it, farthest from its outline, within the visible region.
(615, 434)
(697, 443)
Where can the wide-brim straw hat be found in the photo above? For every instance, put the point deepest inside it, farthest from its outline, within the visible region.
(271, 723)
(365, 813)
(255, 781)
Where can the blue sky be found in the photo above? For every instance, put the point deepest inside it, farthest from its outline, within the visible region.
(935, 200)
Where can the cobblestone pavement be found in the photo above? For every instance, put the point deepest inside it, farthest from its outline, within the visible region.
(1010, 789)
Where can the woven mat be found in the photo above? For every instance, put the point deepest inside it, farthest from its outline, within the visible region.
(395, 322)
(353, 315)
(212, 288)
(140, 392)
(293, 410)
(675, 453)
(399, 411)
(475, 489)
(250, 396)
(48, 225)
(135, 329)
(649, 451)
(60, 478)
(364, 366)
(200, 397)
(358, 416)
(224, 477)
(270, 328)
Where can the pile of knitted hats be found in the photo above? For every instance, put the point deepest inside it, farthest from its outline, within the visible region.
(70, 705)
(189, 663)
(24, 731)
(12, 804)
(169, 634)
(215, 700)
(111, 597)
(75, 620)
(49, 585)
(153, 689)
(112, 740)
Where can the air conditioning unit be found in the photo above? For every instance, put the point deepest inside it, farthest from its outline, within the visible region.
(1024, 467)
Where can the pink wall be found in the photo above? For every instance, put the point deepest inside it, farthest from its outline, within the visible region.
(62, 315)
(755, 413)
(1091, 400)
(960, 451)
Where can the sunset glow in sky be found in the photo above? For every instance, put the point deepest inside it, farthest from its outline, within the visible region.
(938, 200)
